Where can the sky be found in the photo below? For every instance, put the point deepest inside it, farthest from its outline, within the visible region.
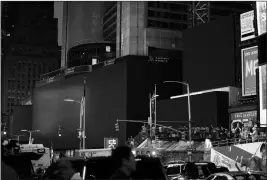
(58, 13)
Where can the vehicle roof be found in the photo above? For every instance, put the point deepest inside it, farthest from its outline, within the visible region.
(233, 173)
(105, 157)
(199, 162)
(236, 173)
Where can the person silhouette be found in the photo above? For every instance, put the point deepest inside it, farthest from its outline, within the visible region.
(124, 162)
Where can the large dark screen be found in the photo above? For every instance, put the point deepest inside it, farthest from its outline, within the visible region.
(105, 102)
(204, 110)
(209, 55)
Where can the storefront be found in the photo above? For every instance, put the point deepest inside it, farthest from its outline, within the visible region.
(247, 118)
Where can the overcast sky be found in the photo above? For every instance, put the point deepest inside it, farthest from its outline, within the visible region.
(58, 13)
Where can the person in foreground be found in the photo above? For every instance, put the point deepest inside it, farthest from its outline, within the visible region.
(7, 172)
(124, 162)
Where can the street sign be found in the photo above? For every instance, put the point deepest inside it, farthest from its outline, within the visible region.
(111, 143)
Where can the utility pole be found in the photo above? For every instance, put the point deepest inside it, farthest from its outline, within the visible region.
(84, 102)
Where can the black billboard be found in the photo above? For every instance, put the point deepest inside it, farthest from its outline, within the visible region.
(209, 55)
(105, 102)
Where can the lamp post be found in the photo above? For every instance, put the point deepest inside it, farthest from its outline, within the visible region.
(82, 120)
(30, 132)
(189, 107)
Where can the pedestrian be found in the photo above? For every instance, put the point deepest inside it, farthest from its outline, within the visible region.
(7, 172)
(124, 163)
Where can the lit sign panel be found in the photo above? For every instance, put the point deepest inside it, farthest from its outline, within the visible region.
(249, 57)
(247, 25)
(262, 93)
(261, 17)
(110, 143)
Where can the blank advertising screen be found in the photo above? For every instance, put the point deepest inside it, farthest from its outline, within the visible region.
(262, 91)
(249, 66)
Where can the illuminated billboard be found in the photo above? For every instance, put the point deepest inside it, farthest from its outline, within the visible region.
(249, 57)
(262, 93)
(247, 25)
(261, 16)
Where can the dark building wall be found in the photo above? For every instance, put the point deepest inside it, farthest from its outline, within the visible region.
(204, 110)
(222, 109)
(142, 75)
(22, 119)
(209, 55)
(120, 91)
(105, 102)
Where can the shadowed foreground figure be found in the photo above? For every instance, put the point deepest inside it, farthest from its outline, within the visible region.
(64, 171)
(124, 162)
(7, 173)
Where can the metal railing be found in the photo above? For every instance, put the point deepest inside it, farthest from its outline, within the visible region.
(235, 141)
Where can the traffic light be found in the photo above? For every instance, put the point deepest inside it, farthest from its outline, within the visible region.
(59, 131)
(183, 136)
(117, 128)
(4, 130)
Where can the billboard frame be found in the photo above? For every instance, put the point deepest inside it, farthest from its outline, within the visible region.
(242, 66)
(260, 96)
(242, 17)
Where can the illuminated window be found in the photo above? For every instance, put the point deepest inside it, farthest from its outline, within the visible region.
(107, 48)
(94, 61)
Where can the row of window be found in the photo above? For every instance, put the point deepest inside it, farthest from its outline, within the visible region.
(167, 15)
(166, 25)
(168, 5)
(27, 50)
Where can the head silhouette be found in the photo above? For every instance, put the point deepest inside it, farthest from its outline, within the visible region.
(123, 159)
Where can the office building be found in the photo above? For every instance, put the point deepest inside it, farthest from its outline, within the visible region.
(30, 50)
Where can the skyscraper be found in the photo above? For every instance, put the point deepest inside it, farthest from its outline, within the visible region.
(30, 49)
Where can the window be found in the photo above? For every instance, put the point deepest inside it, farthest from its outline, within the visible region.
(221, 178)
(239, 177)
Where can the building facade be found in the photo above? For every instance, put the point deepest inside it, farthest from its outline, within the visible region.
(31, 50)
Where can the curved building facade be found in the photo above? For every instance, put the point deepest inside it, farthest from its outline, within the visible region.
(82, 23)
(90, 53)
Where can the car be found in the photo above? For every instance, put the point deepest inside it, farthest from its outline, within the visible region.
(102, 168)
(174, 168)
(238, 175)
(196, 170)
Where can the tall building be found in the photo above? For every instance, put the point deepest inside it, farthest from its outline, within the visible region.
(30, 50)
(140, 25)
(82, 24)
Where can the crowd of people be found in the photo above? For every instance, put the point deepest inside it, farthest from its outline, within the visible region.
(239, 132)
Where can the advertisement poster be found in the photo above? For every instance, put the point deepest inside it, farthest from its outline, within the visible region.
(247, 26)
(249, 58)
(261, 16)
(239, 157)
(242, 119)
(262, 91)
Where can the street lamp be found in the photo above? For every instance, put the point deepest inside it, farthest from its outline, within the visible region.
(82, 120)
(30, 131)
(189, 107)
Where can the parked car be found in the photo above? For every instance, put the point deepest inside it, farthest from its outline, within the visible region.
(196, 170)
(174, 168)
(238, 175)
(102, 168)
